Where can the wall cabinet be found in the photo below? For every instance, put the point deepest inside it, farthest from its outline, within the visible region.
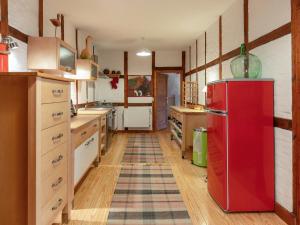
(87, 69)
(51, 55)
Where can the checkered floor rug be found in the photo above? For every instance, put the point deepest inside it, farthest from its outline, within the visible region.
(143, 148)
(146, 194)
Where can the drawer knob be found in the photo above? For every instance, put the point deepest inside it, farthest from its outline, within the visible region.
(58, 182)
(57, 138)
(57, 92)
(57, 114)
(57, 160)
(59, 202)
(89, 142)
(83, 133)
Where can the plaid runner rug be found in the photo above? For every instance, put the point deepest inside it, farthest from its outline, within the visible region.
(146, 194)
(143, 148)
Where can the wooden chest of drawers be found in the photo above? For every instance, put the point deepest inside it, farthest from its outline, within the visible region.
(36, 126)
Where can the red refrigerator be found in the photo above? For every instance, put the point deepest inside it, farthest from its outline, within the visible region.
(240, 136)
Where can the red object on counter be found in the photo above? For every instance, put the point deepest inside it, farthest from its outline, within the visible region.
(240, 134)
(3, 58)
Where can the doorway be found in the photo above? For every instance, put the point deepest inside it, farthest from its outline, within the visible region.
(167, 92)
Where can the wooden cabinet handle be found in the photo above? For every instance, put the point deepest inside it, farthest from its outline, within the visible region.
(58, 137)
(57, 160)
(59, 202)
(57, 114)
(83, 133)
(57, 92)
(56, 183)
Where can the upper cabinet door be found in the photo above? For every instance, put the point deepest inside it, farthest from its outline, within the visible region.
(217, 96)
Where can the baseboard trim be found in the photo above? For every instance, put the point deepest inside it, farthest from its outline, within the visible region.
(284, 214)
(134, 131)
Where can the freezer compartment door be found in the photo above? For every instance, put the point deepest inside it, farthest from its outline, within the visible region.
(217, 96)
(217, 158)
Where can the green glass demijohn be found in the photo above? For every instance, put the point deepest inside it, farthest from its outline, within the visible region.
(246, 65)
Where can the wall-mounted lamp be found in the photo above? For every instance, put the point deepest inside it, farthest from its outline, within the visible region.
(11, 43)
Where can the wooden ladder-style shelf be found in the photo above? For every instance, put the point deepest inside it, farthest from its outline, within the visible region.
(190, 93)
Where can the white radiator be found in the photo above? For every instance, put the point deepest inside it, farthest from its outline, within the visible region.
(137, 117)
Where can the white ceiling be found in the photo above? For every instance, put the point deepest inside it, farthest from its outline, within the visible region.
(121, 24)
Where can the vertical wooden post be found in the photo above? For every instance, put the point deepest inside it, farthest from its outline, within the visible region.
(4, 17)
(154, 127)
(246, 23)
(182, 76)
(220, 48)
(41, 18)
(296, 105)
(125, 79)
(62, 28)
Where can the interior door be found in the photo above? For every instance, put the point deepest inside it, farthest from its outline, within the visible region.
(161, 101)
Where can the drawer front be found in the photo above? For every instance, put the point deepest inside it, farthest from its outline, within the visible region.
(81, 135)
(85, 154)
(54, 91)
(53, 114)
(54, 160)
(54, 206)
(54, 136)
(53, 184)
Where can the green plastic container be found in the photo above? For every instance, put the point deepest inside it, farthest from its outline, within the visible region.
(200, 147)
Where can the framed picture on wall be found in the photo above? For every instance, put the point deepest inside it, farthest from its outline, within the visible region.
(140, 86)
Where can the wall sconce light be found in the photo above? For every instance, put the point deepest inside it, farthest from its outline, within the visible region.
(11, 43)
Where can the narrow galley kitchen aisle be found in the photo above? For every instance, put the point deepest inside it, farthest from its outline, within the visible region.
(143, 180)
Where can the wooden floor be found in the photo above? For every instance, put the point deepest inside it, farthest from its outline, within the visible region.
(92, 201)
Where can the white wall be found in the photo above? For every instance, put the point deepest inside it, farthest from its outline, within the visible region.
(139, 65)
(168, 58)
(23, 15)
(201, 50)
(212, 40)
(112, 60)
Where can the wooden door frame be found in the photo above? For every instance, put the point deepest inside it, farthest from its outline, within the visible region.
(157, 71)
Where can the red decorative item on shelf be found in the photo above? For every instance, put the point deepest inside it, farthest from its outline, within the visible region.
(114, 82)
(3, 58)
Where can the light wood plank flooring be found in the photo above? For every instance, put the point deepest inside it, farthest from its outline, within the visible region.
(92, 201)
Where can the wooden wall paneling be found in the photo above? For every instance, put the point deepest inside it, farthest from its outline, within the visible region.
(295, 29)
(284, 214)
(282, 123)
(190, 58)
(17, 34)
(125, 79)
(62, 28)
(77, 44)
(271, 36)
(41, 18)
(220, 47)
(246, 23)
(4, 17)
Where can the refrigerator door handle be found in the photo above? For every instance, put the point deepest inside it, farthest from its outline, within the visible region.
(217, 113)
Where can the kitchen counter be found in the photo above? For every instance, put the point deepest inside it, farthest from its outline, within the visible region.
(93, 111)
(185, 110)
(79, 121)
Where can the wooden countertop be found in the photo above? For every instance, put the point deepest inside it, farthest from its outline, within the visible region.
(185, 110)
(36, 74)
(82, 120)
(93, 112)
